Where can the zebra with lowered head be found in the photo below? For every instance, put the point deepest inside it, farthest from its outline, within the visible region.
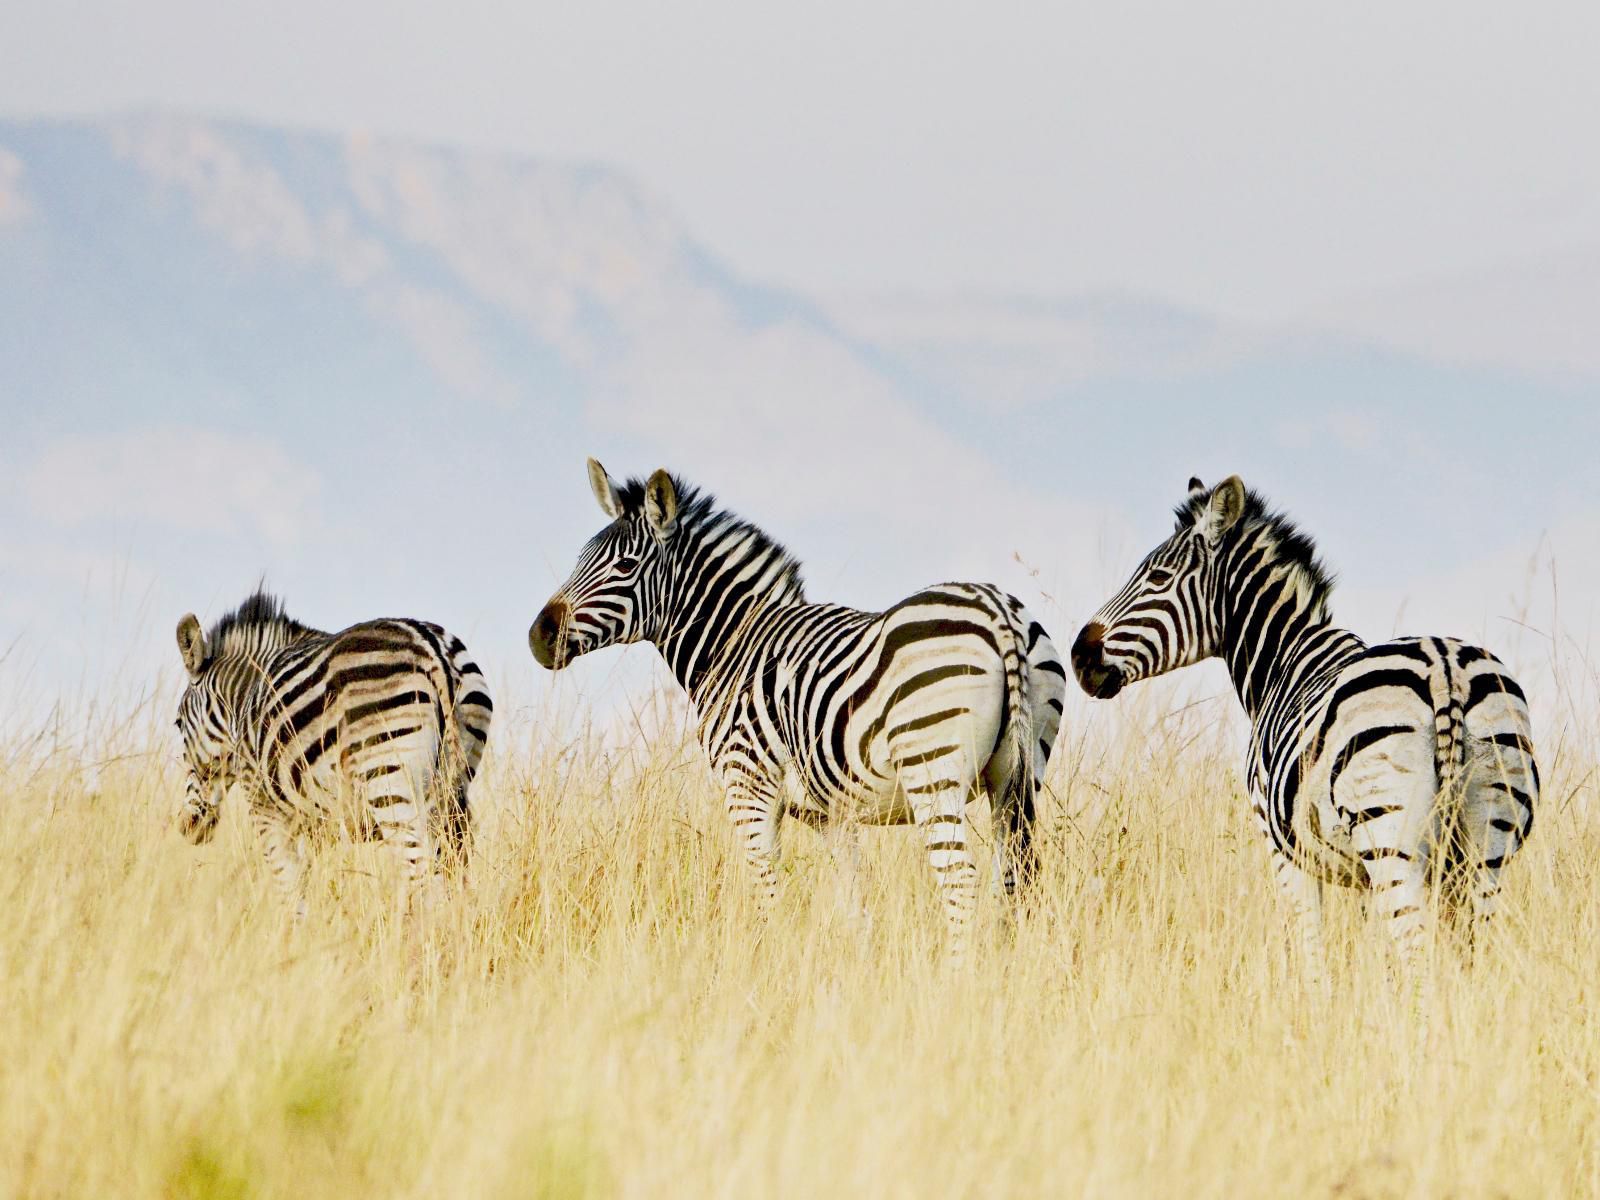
(376, 731)
(1386, 766)
(821, 712)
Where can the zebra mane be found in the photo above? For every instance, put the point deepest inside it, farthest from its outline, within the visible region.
(697, 510)
(258, 622)
(1290, 543)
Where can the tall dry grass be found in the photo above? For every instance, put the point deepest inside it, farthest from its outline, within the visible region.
(599, 1017)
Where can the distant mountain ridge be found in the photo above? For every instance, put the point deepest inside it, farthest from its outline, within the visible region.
(145, 241)
(495, 272)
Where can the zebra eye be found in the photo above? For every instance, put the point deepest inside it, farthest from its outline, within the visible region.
(626, 564)
(1159, 577)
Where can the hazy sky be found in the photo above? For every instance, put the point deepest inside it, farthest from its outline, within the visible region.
(1397, 205)
(1254, 159)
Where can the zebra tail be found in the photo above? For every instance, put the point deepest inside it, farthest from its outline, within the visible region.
(1449, 727)
(452, 769)
(1014, 804)
(1019, 710)
(1449, 688)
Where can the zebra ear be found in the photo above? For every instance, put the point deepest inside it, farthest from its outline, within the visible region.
(1195, 486)
(605, 491)
(1225, 508)
(192, 645)
(661, 504)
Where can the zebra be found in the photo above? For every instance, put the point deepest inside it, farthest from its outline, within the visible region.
(1391, 766)
(824, 713)
(376, 731)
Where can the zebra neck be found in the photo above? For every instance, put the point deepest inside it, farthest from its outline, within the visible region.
(247, 663)
(1270, 626)
(742, 577)
(232, 682)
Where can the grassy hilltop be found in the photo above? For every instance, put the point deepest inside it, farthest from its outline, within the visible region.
(594, 1017)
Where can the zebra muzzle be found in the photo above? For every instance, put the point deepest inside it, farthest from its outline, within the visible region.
(1089, 665)
(547, 638)
(198, 824)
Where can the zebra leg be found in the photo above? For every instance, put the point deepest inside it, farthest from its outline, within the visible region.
(1500, 783)
(939, 793)
(1047, 687)
(1488, 840)
(1496, 807)
(756, 809)
(1389, 793)
(843, 840)
(398, 803)
(1011, 803)
(450, 822)
(1303, 892)
(1484, 896)
(285, 860)
(1397, 876)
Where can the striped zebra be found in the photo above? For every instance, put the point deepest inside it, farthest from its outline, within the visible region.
(1389, 766)
(376, 731)
(825, 713)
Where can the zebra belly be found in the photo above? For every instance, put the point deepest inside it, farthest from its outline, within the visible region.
(871, 799)
(1322, 843)
(888, 805)
(329, 805)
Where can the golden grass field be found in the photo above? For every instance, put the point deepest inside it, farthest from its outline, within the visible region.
(595, 1017)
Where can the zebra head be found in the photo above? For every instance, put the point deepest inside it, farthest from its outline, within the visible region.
(1166, 615)
(204, 726)
(615, 591)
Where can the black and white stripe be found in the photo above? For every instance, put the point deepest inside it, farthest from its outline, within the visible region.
(815, 710)
(376, 730)
(1387, 766)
